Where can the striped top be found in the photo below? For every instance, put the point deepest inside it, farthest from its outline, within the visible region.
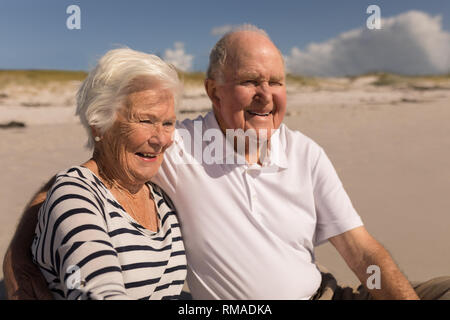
(88, 247)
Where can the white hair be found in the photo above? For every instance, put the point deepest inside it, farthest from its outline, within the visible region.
(218, 53)
(106, 87)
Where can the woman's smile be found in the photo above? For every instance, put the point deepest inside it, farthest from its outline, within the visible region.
(147, 157)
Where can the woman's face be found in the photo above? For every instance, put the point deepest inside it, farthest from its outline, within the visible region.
(134, 146)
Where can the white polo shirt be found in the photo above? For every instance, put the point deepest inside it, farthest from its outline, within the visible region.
(250, 230)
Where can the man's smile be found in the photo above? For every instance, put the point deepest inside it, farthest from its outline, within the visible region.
(261, 114)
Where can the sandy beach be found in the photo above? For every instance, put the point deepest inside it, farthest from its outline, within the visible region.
(390, 146)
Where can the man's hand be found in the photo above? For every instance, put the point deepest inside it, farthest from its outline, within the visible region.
(360, 250)
(23, 279)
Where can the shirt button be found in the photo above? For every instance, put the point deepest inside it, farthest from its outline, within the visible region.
(253, 172)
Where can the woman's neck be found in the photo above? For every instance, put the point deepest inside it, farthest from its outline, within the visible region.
(111, 179)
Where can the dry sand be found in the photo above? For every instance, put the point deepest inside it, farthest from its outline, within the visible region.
(391, 148)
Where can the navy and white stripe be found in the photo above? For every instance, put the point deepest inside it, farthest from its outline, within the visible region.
(82, 227)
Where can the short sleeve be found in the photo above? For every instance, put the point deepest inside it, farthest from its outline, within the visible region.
(334, 209)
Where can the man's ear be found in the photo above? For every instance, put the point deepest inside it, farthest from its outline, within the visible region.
(211, 90)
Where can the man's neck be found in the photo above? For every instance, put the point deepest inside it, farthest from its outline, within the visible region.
(256, 148)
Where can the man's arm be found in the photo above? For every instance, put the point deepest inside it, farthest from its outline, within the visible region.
(23, 280)
(360, 250)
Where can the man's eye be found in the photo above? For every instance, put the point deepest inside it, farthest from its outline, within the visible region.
(168, 124)
(275, 83)
(146, 121)
(250, 82)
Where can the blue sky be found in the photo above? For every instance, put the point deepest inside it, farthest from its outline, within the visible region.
(34, 35)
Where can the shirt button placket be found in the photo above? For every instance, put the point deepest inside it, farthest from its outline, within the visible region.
(251, 173)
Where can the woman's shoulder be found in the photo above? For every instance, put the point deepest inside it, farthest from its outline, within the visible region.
(78, 173)
(75, 190)
(77, 179)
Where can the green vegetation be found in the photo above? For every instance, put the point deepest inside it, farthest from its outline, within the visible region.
(192, 78)
(390, 79)
(39, 77)
(43, 77)
(292, 79)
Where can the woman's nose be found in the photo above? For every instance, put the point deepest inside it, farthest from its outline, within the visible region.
(160, 138)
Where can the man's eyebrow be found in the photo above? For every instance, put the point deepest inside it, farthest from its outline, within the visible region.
(276, 78)
(255, 75)
(248, 74)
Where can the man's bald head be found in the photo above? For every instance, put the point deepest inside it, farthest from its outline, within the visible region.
(234, 43)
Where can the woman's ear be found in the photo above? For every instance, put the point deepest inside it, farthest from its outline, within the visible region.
(211, 90)
(95, 134)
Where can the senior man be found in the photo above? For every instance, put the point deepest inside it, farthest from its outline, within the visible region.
(251, 217)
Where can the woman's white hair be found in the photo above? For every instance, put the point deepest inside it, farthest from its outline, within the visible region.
(106, 87)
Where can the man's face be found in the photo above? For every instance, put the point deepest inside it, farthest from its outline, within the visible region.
(253, 93)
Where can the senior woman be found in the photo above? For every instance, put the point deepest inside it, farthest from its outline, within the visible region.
(104, 231)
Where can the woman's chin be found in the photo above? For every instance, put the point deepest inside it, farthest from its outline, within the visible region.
(143, 170)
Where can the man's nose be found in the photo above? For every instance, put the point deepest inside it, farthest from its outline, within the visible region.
(263, 94)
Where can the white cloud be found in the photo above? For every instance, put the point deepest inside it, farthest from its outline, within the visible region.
(220, 31)
(178, 57)
(410, 43)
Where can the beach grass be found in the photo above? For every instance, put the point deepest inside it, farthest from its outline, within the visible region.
(192, 78)
(39, 77)
(391, 79)
(298, 80)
